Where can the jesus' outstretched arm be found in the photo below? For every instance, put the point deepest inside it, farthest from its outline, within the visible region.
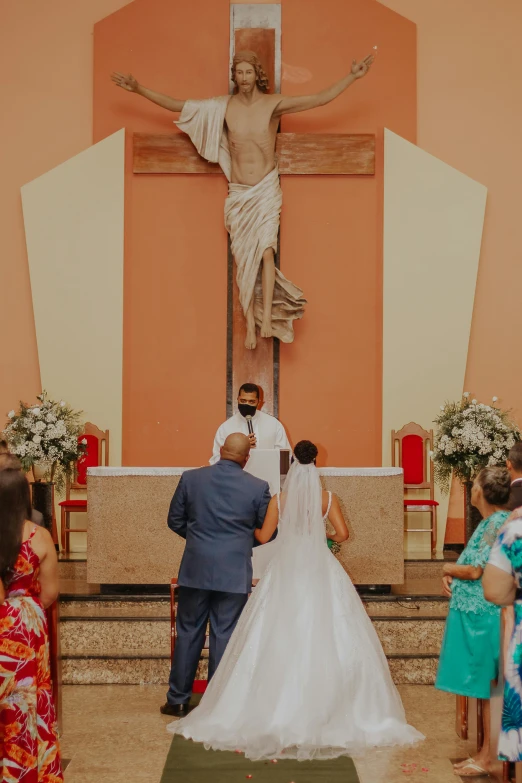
(290, 105)
(129, 83)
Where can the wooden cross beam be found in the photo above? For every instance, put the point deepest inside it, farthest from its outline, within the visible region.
(297, 153)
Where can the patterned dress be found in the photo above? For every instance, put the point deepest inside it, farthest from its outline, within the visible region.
(507, 555)
(470, 649)
(29, 749)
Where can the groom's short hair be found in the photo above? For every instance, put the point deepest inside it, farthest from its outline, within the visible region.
(249, 388)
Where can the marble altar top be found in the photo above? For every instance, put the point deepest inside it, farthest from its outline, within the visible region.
(129, 471)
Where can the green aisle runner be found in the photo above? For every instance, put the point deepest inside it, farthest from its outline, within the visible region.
(189, 762)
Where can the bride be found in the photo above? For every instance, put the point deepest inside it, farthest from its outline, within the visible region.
(304, 675)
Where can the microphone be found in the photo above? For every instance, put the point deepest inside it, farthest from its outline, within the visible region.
(249, 424)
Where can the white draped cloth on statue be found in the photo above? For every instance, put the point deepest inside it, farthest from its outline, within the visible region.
(251, 217)
(304, 675)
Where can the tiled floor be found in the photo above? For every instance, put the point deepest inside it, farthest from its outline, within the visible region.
(115, 734)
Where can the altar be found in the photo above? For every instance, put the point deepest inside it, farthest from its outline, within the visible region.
(129, 543)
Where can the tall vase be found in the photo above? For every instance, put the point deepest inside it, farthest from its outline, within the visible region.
(43, 502)
(472, 516)
(39, 470)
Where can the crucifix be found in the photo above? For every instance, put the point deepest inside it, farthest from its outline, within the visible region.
(238, 135)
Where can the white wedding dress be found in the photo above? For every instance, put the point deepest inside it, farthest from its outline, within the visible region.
(304, 675)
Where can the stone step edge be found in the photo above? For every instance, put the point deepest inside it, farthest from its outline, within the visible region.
(144, 618)
(143, 598)
(163, 657)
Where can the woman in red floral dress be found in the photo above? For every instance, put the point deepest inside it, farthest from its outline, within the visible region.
(29, 749)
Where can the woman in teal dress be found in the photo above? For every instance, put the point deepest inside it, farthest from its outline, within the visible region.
(471, 645)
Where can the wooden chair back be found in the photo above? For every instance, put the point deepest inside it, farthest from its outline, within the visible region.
(97, 454)
(410, 451)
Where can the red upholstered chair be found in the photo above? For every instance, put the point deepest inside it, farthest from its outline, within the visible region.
(97, 454)
(410, 451)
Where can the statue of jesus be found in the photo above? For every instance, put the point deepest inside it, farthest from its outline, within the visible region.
(239, 132)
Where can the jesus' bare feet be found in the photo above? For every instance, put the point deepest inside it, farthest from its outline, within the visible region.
(251, 339)
(266, 326)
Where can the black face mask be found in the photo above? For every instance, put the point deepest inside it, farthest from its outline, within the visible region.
(246, 410)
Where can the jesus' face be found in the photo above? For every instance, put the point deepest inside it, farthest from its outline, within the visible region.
(245, 77)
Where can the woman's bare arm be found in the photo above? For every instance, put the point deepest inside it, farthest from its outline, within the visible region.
(266, 532)
(466, 572)
(335, 515)
(129, 83)
(43, 545)
(499, 586)
(2, 593)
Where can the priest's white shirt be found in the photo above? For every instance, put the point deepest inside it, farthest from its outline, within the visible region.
(269, 432)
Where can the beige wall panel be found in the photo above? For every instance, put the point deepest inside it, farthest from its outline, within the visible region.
(433, 219)
(73, 219)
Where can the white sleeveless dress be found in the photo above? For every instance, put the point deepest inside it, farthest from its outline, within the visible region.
(304, 675)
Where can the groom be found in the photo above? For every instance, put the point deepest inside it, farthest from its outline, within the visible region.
(216, 509)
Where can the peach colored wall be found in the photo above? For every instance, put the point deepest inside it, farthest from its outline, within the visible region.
(469, 63)
(174, 317)
(46, 48)
(331, 238)
(469, 66)
(175, 278)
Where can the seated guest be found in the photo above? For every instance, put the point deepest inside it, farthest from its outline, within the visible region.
(268, 432)
(470, 650)
(502, 585)
(28, 585)
(8, 461)
(514, 466)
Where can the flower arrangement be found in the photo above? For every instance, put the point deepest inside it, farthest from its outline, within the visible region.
(469, 437)
(47, 434)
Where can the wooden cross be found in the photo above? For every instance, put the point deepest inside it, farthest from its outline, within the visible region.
(253, 27)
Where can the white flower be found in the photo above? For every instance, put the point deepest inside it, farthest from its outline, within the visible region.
(35, 411)
(11, 414)
(441, 407)
(37, 439)
(466, 394)
(84, 441)
(473, 402)
(494, 399)
(62, 403)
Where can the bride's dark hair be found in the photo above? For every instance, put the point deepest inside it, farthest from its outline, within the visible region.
(305, 452)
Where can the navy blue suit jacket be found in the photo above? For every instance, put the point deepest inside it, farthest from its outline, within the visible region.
(216, 509)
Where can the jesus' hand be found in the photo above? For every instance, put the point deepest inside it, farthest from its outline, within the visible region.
(361, 69)
(127, 81)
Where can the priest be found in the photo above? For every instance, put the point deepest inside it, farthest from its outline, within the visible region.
(267, 431)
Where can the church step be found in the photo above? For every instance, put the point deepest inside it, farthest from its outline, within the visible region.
(136, 607)
(150, 635)
(104, 670)
(72, 569)
(423, 569)
(97, 606)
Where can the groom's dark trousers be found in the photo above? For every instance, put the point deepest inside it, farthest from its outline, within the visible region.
(216, 509)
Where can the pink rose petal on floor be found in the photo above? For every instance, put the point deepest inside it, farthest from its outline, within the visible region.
(425, 769)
